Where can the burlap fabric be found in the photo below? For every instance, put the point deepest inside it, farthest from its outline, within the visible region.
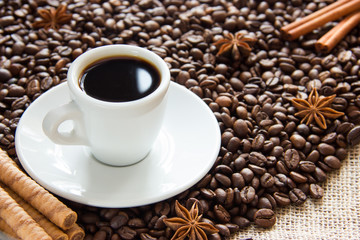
(334, 217)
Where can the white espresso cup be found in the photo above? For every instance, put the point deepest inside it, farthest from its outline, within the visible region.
(116, 133)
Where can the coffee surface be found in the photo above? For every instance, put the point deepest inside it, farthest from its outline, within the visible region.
(120, 79)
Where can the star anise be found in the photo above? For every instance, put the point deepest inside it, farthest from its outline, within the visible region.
(316, 108)
(238, 45)
(188, 224)
(52, 18)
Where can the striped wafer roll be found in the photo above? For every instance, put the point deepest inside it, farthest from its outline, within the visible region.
(51, 229)
(17, 218)
(34, 194)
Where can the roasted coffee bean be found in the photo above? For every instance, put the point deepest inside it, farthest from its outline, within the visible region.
(126, 232)
(329, 138)
(90, 218)
(230, 194)
(20, 103)
(207, 193)
(316, 191)
(313, 156)
(239, 163)
(224, 168)
(159, 224)
(332, 162)
(277, 151)
(307, 166)
(223, 179)
(264, 203)
(281, 167)
(326, 149)
(255, 183)
(267, 180)
(136, 223)
(234, 144)
(146, 236)
(237, 180)
(264, 218)
(223, 230)
(341, 153)
(242, 222)
(275, 129)
(204, 181)
(215, 236)
(220, 195)
(258, 142)
(247, 194)
(291, 159)
(15, 91)
(233, 228)
(353, 137)
(298, 177)
(282, 180)
(344, 128)
(5, 75)
(247, 174)
(256, 169)
(119, 220)
(281, 199)
(225, 138)
(241, 128)
(257, 158)
(298, 141)
(223, 101)
(109, 213)
(319, 174)
(162, 208)
(268, 146)
(237, 197)
(221, 214)
(287, 67)
(100, 235)
(297, 196)
(314, 139)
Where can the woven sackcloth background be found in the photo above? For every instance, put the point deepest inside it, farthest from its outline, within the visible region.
(334, 217)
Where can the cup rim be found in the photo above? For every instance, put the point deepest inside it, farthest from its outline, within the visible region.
(89, 57)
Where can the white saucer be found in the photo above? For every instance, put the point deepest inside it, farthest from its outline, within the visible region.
(184, 152)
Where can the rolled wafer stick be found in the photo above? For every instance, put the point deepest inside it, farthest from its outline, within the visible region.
(333, 14)
(75, 233)
(54, 232)
(5, 228)
(37, 196)
(327, 42)
(22, 224)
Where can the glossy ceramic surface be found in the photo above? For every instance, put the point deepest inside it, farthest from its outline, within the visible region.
(183, 153)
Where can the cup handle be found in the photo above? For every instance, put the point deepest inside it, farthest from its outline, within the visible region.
(54, 118)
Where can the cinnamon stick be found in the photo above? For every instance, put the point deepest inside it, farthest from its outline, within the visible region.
(33, 193)
(327, 42)
(341, 9)
(314, 15)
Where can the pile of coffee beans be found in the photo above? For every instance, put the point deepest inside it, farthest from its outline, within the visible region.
(267, 158)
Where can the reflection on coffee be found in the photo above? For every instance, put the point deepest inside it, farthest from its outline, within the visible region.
(120, 79)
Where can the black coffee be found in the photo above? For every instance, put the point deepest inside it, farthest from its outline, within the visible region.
(120, 79)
